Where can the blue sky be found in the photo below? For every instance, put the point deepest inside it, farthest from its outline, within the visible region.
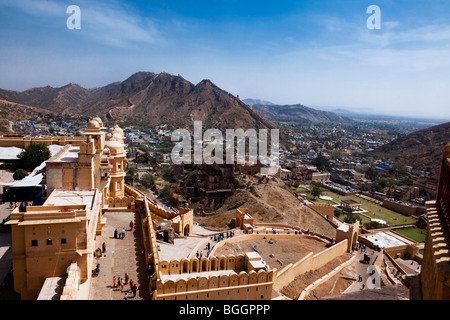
(317, 53)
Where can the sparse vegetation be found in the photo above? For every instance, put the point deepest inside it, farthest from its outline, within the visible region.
(148, 180)
(19, 174)
(165, 192)
(132, 171)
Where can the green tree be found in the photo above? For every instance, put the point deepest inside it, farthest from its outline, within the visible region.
(191, 176)
(141, 159)
(34, 155)
(19, 174)
(337, 212)
(316, 190)
(373, 225)
(321, 163)
(167, 170)
(148, 180)
(165, 192)
(132, 171)
(351, 217)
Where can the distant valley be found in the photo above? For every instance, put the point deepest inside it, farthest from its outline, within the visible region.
(295, 113)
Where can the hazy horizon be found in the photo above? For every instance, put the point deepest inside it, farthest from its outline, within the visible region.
(314, 53)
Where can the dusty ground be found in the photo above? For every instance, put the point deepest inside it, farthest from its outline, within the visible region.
(268, 200)
(6, 176)
(333, 286)
(276, 255)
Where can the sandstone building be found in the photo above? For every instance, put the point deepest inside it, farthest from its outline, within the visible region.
(56, 240)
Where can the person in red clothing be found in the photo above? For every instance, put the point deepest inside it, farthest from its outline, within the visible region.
(131, 225)
(131, 284)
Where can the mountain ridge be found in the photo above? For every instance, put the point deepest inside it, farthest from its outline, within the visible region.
(147, 98)
(299, 113)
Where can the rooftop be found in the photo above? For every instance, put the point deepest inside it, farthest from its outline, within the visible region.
(71, 197)
(10, 153)
(350, 202)
(386, 239)
(71, 155)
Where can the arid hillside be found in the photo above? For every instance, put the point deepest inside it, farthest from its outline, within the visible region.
(268, 200)
(421, 149)
(10, 112)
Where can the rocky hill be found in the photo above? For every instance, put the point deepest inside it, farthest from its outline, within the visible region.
(147, 99)
(298, 113)
(11, 112)
(421, 149)
(269, 200)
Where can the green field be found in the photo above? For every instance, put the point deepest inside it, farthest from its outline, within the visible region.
(415, 234)
(374, 210)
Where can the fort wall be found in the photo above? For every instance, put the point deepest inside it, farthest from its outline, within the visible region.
(234, 286)
(309, 263)
(402, 208)
(324, 210)
(326, 277)
(25, 142)
(280, 225)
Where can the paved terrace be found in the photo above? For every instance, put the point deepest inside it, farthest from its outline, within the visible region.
(122, 255)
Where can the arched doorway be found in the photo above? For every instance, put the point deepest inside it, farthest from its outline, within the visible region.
(187, 230)
(354, 240)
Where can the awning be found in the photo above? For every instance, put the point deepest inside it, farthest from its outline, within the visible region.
(35, 178)
(10, 153)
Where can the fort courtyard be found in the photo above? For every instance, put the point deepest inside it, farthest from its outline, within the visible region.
(121, 256)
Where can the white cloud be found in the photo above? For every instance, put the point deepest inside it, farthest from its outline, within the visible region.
(117, 25)
(33, 7)
(426, 36)
(112, 23)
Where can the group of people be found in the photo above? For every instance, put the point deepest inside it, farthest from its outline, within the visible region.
(100, 251)
(219, 237)
(361, 247)
(119, 282)
(121, 235)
